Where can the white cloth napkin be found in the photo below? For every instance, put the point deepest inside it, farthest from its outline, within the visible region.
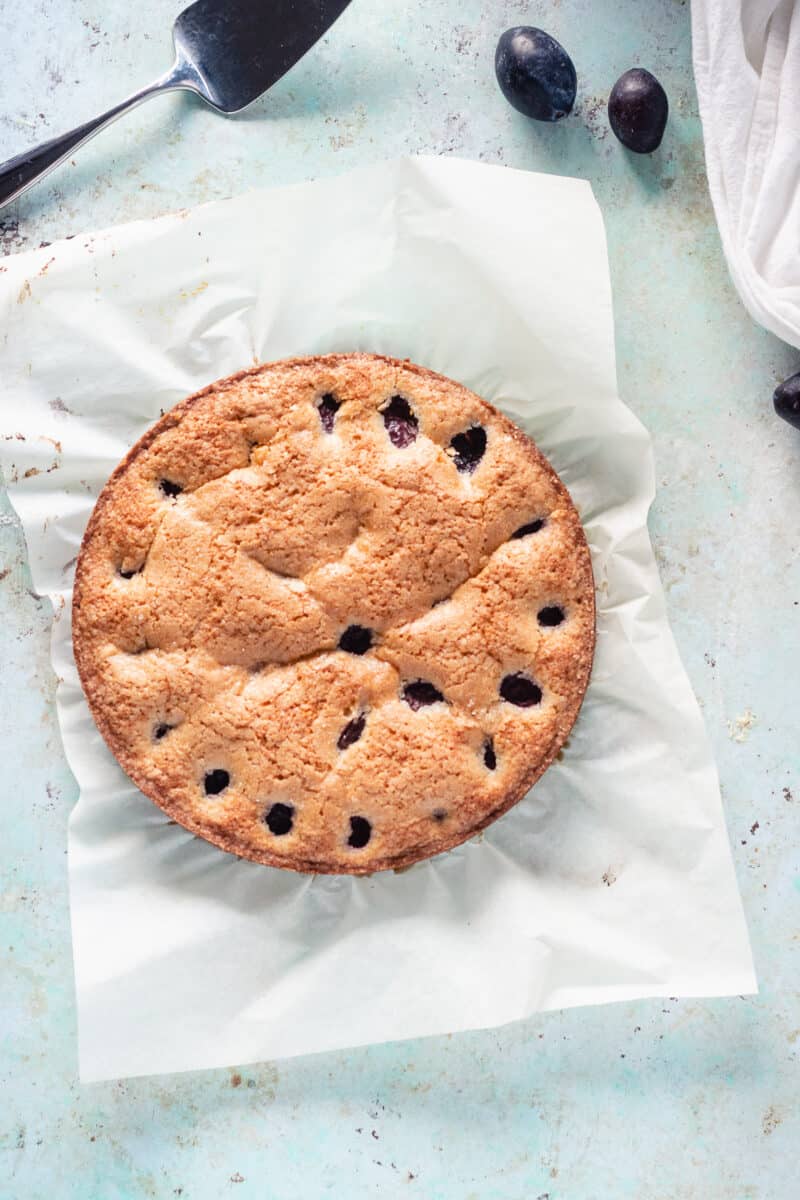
(747, 70)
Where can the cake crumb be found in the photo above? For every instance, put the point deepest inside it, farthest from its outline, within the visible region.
(739, 728)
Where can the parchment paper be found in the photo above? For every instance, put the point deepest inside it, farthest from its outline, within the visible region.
(613, 879)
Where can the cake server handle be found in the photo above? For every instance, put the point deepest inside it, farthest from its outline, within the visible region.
(22, 171)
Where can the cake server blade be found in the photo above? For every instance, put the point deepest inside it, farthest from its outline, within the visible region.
(228, 52)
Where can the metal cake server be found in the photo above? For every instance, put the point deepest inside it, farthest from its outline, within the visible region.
(226, 51)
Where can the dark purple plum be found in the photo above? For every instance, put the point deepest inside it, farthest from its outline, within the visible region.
(401, 422)
(637, 110)
(535, 73)
(280, 819)
(787, 400)
(356, 639)
(360, 832)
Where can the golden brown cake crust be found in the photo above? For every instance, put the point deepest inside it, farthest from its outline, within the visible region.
(334, 614)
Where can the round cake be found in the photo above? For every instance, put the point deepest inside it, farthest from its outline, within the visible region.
(334, 614)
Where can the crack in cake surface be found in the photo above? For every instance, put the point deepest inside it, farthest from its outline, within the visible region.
(319, 599)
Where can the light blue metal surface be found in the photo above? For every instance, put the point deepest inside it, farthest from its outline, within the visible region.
(688, 1101)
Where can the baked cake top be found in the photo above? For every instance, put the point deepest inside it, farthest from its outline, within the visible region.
(334, 614)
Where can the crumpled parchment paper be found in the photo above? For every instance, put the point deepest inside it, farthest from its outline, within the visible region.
(613, 879)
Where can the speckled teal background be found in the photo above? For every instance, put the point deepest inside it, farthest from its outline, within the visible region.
(647, 1101)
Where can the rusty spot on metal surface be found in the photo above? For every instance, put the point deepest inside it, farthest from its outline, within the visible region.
(593, 112)
(236, 1080)
(10, 237)
(53, 73)
(771, 1120)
